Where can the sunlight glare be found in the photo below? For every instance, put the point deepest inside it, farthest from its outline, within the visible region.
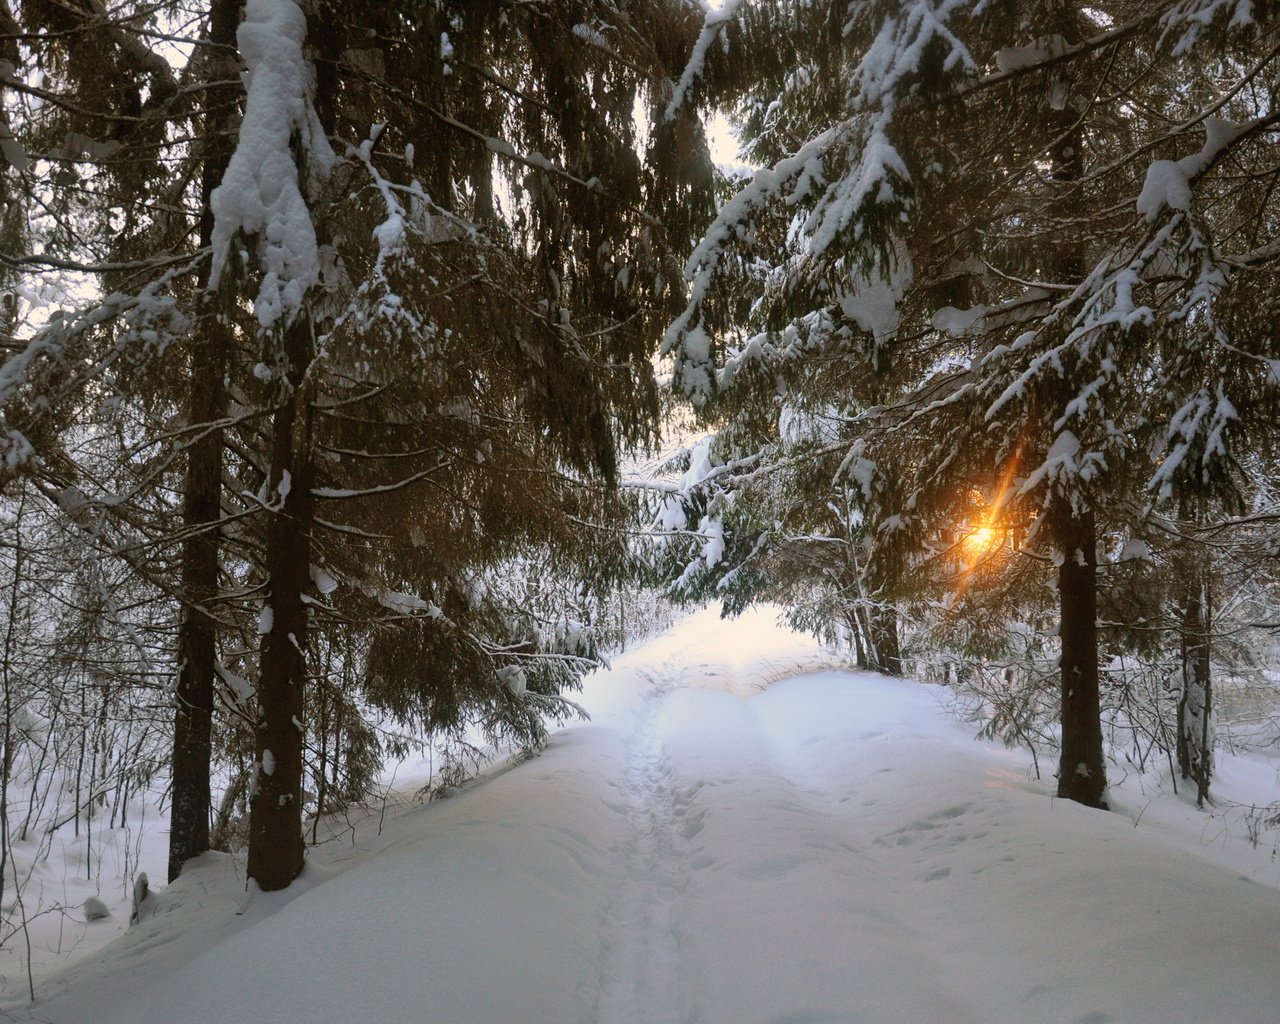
(979, 542)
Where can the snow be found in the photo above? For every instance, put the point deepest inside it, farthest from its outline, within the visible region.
(513, 678)
(591, 34)
(859, 469)
(239, 689)
(405, 604)
(737, 837)
(956, 322)
(1168, 182)
(695, 378)
(872, 301)
(714, 22)
(1205, 417)
(700, 267)
(1059, 461)
(261, 194)
(322, 581)
(142, 902)
(1017, 58)
(1135, 548)
(712, 531)
(701, 464)
(1193, 17)
(1166, 185)
(874, 175)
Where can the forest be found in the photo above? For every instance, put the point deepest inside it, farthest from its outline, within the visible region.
(371, 373)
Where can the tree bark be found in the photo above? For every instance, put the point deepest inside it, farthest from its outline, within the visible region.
(888, 650)
(855, 635)
(276, 848)
(275, 809)
(197, 653)
(201, 511)
(1081, 771)
(1195, 754)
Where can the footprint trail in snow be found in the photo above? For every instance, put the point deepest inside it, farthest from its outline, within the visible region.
(641, 977)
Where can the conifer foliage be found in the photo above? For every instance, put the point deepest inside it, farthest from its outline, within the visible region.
(1009, 267)
(363, 299)
(328, 327)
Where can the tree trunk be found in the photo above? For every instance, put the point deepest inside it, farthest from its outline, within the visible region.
(1195, 750)
(7, 658)
(201, 511)
(193, 719)
(275, 810)
(276, 849)
(888, 651)
(866, 649)
(855, 638)
(1081, 770)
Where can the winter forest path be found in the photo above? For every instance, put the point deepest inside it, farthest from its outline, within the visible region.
(739, 849)
(736, 837)
(641, 980)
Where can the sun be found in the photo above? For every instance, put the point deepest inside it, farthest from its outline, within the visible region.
(979, 542)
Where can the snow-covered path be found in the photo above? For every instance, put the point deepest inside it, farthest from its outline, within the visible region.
(641, 973)
(831, 849)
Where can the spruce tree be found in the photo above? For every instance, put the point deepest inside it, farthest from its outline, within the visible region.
(1014, 232)
(384, 331)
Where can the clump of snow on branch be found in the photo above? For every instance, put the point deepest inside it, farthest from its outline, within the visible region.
(322, 581)
(1202, 421)
(1168, 182)
(1064, 463)
(875, 176)
(696, 489)
(1016, 58)
(1190, 19)
(514, 679)
(858, 469)
(404, 604)
(262, 193)
(1134, 550)
(672, 514)
(702, 468)
(872, 299)
(956, 322)
(712, 26)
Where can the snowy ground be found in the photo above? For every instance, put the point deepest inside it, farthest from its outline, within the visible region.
(830, 848)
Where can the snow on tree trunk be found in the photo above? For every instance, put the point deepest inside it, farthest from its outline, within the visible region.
(282, 150)
(280, 161)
